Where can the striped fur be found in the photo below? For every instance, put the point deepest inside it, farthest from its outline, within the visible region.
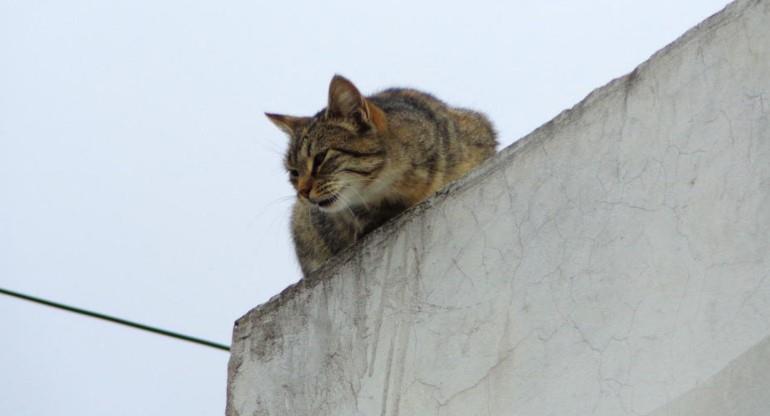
(363, 160)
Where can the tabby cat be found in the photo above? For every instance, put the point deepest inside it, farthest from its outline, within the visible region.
(363, 160)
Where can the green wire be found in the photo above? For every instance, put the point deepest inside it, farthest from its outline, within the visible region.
(116, 320)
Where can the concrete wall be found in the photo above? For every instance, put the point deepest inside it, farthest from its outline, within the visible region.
(616, 261)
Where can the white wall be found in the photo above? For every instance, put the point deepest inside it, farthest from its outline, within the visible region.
(613, 262)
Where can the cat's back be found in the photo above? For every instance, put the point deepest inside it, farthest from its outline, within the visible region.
(400, 103)
(451, 140)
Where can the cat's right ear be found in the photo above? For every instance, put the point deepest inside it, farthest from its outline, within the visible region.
(289, 124)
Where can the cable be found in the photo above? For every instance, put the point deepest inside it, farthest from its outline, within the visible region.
(115, 320)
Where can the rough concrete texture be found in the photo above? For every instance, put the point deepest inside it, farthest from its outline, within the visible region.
(616, 261)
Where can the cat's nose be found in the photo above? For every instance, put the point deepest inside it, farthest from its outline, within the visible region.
(304, 186)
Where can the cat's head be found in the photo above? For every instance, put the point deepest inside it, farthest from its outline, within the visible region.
(337, 159)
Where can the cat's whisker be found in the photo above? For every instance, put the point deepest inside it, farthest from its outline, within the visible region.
(272, 148)
(341, 187)
(346, 203)
(270, 204)
(360, 197)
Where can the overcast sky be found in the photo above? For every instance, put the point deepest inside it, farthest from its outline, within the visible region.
(139, 178)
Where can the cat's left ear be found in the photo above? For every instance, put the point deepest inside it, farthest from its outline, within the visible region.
(289, 124)
(347, 102)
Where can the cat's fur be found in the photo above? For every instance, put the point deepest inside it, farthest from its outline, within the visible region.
(363, 160)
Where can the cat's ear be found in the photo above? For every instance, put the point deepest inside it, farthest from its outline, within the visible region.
(289, 124)
(346, 101)
(344, 98)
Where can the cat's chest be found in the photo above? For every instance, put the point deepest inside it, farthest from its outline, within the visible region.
(370, 218)
(344, 228)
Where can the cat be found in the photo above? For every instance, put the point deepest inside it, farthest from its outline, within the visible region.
(363, 160)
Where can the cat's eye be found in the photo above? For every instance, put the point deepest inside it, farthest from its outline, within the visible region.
(318, 160)
(293, 173)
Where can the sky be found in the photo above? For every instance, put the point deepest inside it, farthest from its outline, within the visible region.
(139, 177)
